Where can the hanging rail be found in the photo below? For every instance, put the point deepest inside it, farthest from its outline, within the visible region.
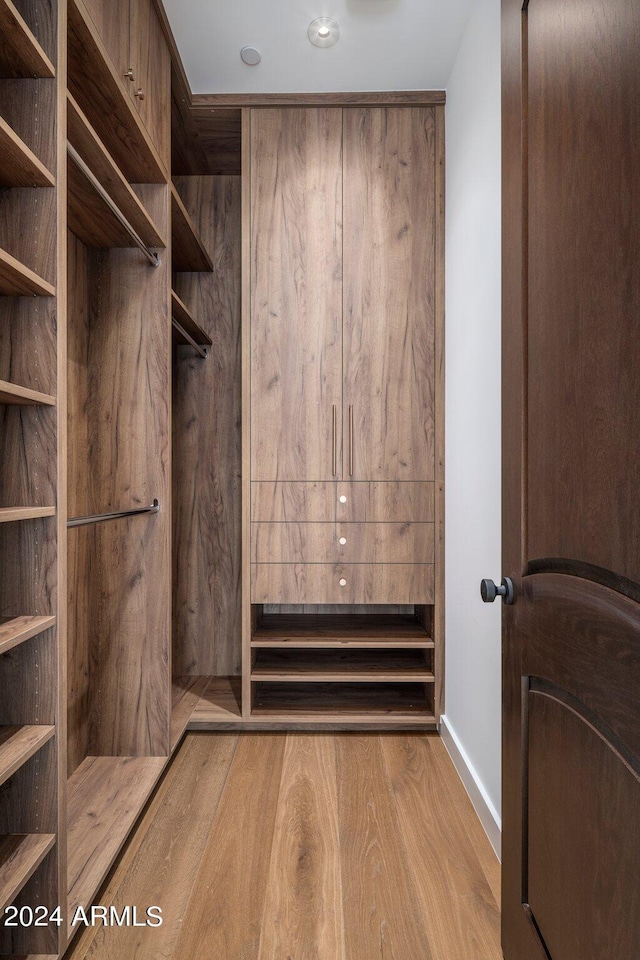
(101, 517)
(95, 183)
(204, 353)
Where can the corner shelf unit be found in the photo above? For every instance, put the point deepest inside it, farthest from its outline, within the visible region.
(189, 254)
(21, 56)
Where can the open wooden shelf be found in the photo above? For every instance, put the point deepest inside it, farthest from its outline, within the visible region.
(186, 320)
(219, 704)
(342, 666)
(19, 744)
(16, 280)
(333, 630)
(92, 150)
(20, 857)
(13, 514)
(96, 86)
(186, 693)
(13, 394)
(16, 630)
(105, 798)
(188, 253)
(396, 702)
(19, 166)
(21, 54)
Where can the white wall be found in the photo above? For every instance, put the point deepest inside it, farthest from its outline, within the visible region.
(473, 465)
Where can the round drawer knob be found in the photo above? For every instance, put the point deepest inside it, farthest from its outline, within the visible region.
(343, 540)
(343, 499)
(342, 582)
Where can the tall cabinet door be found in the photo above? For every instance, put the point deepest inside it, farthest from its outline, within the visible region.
(389, 293)
(296, 293)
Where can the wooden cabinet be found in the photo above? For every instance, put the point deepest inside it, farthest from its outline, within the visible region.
(345, 501)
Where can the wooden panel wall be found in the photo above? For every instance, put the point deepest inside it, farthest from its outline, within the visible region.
(207, 444)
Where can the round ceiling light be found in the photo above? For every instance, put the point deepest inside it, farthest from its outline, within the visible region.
(251, 56)
(324, 32)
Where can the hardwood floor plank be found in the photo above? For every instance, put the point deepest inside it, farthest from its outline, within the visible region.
(450, 871)
(303, 909)
(225, 914)
(161, 863)
(383, 917)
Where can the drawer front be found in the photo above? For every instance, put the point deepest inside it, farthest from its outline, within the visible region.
(377, 502)
(348, 543)
(363, 502)
(282, 502)
(342, 583)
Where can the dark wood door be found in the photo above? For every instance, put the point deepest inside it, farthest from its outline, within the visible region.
(571, 805)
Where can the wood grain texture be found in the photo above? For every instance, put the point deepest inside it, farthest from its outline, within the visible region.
(322, 542)
(207, 102)
(97, 85)
(333, 630)
(151, 89)
(342, 666)
(321, 501)
(207, 444)
(389, 270)
(226, 920)
(22, 55)
(382, 911)
(296, 292)
(14, 514)
(187, 321)
(320, 583)
(12, 393)
(313, 839)
(18, 280)
(248, 611)
(19, 166)
(28, 107)
(18, 744)
(303, 915)
(188, 252)
(86, 141)
(161, 862)
(105, 798)
(187, 692)
(438, 613)
(459, 889)
(20, 856)
(343, 703)
(18, 629)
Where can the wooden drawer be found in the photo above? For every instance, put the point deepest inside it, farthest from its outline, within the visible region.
(284, 501)
(364, 501)
(385, 501)
(322, 543)
(363, 583)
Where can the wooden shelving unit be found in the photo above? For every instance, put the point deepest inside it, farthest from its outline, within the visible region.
(21, 54)
(341, 666)
(187, 250)
(19, 744)
(12, 394)
(17, 280)
(364, 702)
(19, 166)
(97, 88)
(105, 798)
(219, 704)
(13, 514)
(188, 322)
(186, 693)
(335, 630)
(17, 630)
(20, 857)
(89, 217)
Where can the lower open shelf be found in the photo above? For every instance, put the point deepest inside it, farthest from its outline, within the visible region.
(105, 798)
(342, 666)
(20, 857)
(339, 630)
(338, 701)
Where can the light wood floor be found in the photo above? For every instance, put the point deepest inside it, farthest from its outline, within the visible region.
(306, 847)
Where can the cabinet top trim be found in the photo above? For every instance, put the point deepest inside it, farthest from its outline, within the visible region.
(409, 98)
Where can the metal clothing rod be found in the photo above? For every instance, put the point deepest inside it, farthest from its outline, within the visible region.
(151, 257)
(101, 517)
(204, 353)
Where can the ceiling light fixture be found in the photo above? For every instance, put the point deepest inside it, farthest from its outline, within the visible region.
(251, 56)
(324, 32)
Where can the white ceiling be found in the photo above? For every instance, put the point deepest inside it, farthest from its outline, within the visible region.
(384, 44)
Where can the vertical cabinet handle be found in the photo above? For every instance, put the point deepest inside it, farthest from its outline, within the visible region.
(334, 442)
(350, 440)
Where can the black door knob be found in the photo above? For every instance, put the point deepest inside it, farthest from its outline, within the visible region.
(489, 590)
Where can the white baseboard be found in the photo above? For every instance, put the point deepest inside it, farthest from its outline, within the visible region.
(487, 813)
